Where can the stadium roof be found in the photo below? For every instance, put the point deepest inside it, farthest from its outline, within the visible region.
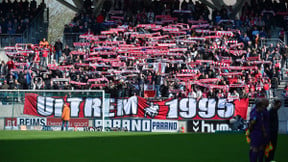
(77, 5)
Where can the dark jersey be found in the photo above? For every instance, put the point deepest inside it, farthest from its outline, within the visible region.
(274, 125)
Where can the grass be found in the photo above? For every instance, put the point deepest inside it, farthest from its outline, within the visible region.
(127, 147)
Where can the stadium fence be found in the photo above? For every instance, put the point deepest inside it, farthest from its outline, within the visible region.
(10, 39)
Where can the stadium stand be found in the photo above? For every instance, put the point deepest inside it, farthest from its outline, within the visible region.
(159, 51)
(16, 18)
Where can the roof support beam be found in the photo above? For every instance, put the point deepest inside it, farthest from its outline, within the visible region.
(218, 3)
(97, 6)
(79, 4)
(209, 4)
(70, 6)
(238, 7)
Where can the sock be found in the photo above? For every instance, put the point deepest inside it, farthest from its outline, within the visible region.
(253, 156)
(260, 156)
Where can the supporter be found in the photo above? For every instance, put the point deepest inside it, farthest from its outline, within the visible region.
(198, 93)
(164, 89)
(244, 94)
(285, 92)
(10, 64)
(44, 43)
(58, 50)
(62, 59)
(267, 89)
(157, 82)
(192, 93)
(43, 57)
(15, 17)
(274, 128)
(5, 85)
(65, 117)
(211, 94)
(123, 71)
(66, 50)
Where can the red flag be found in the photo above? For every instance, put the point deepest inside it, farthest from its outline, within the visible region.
(241, 106)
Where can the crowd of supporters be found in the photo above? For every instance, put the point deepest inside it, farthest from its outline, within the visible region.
(200, 58)
(16, 16)
(260, 15)
(134, 12)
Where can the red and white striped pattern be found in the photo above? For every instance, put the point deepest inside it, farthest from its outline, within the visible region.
(218, 47)
(231, 73)
(241, 45)
(200, 26)
(98, 79)
(212, 37)
(77, 53)
(222, 64)
(237, 52)
(202, 31)
(240, 67)
(170, 29)
(81, 44)
(197, 21)
(225, 33)
(209, 80)
(178, 50)
(197, 38)
(231, 41)
(77, 83)
(189, 70)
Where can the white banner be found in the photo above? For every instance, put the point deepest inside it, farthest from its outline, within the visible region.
(165, 126)
(134, 125)
(31, 121)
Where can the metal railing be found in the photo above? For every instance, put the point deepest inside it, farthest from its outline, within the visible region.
(274, 41)
(286, 37)
(10, 39)
(69, 38)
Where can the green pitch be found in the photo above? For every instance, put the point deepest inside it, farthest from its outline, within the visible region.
(127, 147)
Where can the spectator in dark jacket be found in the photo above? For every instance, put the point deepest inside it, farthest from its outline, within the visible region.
(67, 50)
(58, 50)
(274, 126)
(164, 89)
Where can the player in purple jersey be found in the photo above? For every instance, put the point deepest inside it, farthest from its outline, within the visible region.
(259, 130)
